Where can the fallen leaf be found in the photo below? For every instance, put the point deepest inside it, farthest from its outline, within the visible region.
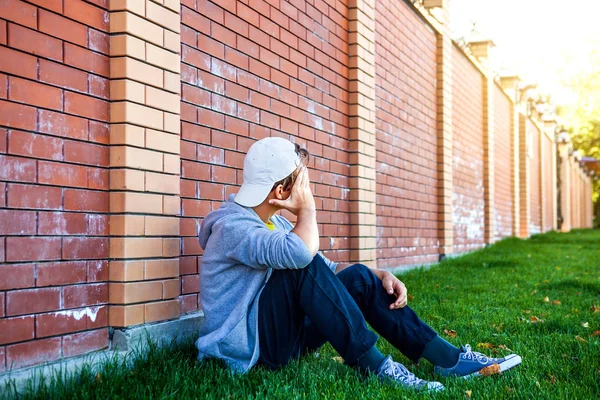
(503, 347)
(582, 340)
(98, 378)
(595, 309)
(338, 359)
(556, 302)
(410, 297)
(596, 333)
(546, 299)
(585, 324)
(485, 346)
(534, 320)
(468, 393)
(451, 332)
(527, 311)
(552, 380)
(490, 370)
(534, 292)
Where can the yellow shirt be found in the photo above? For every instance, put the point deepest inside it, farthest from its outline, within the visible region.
(270, 225)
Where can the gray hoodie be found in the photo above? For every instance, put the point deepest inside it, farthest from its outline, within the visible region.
(239, 254)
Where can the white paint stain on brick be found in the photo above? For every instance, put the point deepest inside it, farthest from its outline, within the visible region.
(90, 312)
(96, 224)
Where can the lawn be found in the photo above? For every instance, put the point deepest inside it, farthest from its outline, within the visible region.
(540, 298)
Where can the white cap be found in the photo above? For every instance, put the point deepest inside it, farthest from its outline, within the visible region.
(268, 161)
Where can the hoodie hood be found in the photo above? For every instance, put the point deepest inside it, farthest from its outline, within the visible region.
(227, 209)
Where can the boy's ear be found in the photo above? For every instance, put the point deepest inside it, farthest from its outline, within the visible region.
(279, 192)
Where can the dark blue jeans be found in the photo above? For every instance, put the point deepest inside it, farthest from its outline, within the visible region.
(300, 310)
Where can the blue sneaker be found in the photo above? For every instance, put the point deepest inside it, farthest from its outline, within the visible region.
(470, 363)
(391, 370)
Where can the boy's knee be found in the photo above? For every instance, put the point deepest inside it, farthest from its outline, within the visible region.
(357, 273)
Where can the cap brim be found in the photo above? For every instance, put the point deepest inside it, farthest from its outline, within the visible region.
(252, 195)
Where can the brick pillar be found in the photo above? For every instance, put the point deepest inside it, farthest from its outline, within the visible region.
(565, 186)
(524, 205)
(509, 85)
(550, 128)
(481, 51)
(144, 160)
(363, 220)
(444, 122)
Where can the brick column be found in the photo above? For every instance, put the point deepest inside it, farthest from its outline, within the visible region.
(509, 85)
(444, 123)
(550, 128)
(481, 51)
(524, 190)
(361, 41)
(565, 186)
(144, 160)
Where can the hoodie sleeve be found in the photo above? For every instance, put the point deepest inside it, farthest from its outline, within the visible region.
(261, 248)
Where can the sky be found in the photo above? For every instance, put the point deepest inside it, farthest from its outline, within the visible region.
(543, 41)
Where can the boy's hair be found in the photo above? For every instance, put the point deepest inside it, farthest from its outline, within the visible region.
(289, 180)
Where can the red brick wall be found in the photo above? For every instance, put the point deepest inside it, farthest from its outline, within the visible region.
(548, 201)
(254, 70)
(467, 135)
(535, 222)
(53, 179)
(503, 166)
(406, 137)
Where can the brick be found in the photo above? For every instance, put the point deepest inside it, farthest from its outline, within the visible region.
(211, 10)
(61, 273)
(35, 94)
(171, 205)
(86, 200)
(135, 247)
(125, 67)
(17, 169)
(16, 329)
(127, 45)
(32, 248)
(190, 284)
(134, 292)
(162, 100)
(17, 116)
(188, 304)
(135, 6)
(33, 196)
(87, 14)
(34, 352)
(127, 225)
(19, 12)
(62, 322)
(63, 76)
(34, 145)
(86, 60)
(162, 16)
(171, 288)
(97, 271)
(172, 123)
(85, 295)
(75, 248)
(162, 141)
(126, 22)
(163, 310)
(127, 179)
(86, 106)
(59, 124)
(59, 223)
(127, 134)
(85, 342)
(33, 42)
(121, 316)
(86, 153)
(162, 58)
(158, 269)
(127, 112)
(195, 208)
(125, 156)
(171, 247)
(211, 46)
(172, 42)
(99, 132)
(162, 183)
(98, 41)
(161, 226)
(17, 222)
(136, 202)
(53, 5)
(16, 276)
(19, 302)
(62, 28)
(3, 40)
(59, 174)
(18, 63)
(126, 270)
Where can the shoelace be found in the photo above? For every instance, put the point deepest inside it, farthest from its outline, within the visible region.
(473, 355)
(399, 372)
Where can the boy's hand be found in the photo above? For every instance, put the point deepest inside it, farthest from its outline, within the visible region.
(301, 198)
(394, 286)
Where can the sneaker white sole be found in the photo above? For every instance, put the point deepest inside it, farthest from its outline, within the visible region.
(511, 361)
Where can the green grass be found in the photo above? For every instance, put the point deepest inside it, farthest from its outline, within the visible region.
(487, 297)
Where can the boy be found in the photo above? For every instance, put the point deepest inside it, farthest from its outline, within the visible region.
(269, 296)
